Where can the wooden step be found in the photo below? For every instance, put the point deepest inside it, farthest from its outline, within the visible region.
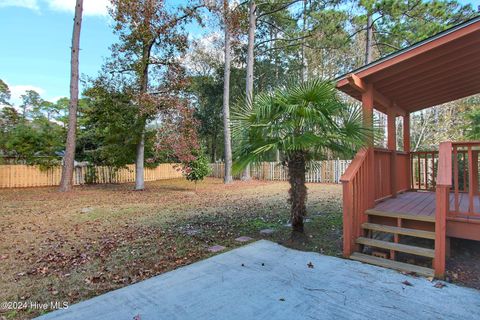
(430, 253)
(374, 212)
(398, 230)
(391, 264)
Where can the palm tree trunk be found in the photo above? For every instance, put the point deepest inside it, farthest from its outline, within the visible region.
(298, 190)
(66, 183)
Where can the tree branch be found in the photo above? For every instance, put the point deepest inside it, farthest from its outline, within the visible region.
(285, 6)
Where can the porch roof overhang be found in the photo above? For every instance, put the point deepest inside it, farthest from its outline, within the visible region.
(439, 69)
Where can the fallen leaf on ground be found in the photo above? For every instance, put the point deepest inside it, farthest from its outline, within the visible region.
(407, 283)
(440, 285)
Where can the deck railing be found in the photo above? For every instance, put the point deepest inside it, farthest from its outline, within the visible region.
(465, 179)
(458, 172)
(464, 190)
(357, 197)
(423, 166)
(384, 173)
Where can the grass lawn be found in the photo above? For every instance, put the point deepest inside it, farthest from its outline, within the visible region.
(70, 247)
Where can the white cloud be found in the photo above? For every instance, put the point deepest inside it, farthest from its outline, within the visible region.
(18, 90)
(29, 4)
(90, 7)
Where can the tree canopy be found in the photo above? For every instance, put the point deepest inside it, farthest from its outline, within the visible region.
(155, 68)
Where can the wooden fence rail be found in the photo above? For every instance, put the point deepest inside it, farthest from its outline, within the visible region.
(18, 176)
(328, 171)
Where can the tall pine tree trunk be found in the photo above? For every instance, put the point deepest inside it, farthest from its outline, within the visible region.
(226, 100)
(369, 39)
(66, 183)
(252, 25)
(304, 70)
(277, 80)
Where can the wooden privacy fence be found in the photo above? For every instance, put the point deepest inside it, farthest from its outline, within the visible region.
(17, 176)
(327, 171)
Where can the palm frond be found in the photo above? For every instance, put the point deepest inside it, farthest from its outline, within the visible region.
(305, 117)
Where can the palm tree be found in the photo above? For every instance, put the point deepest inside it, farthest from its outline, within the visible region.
(305, 122)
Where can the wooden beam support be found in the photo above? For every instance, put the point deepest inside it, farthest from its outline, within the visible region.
(392, 146)
(406, 133)
(367, 107)
(361, 86)
(444, 183)
(357, 83)
(406, 147)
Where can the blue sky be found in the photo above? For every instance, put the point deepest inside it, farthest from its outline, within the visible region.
(36, 39)
(35, 42)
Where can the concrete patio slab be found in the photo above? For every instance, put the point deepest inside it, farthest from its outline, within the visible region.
(276, 283)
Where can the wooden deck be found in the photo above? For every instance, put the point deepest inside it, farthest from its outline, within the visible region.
(422, 203)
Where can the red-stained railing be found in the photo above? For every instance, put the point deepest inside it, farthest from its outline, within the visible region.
(458, 173)
(382, 173)
(423, 169)
(402, 171)
(464, 192)
(357, 198)
(466, 195)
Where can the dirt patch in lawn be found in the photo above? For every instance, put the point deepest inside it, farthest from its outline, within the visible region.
(70, 247)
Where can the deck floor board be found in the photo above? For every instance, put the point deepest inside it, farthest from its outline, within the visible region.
(423, 203)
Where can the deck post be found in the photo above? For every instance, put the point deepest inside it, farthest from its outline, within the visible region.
(406, 147)
(442, 203)
(406, 133)
(348, 217)
(444, 183)
(367, 107)
(474, 173)
(392, 146)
